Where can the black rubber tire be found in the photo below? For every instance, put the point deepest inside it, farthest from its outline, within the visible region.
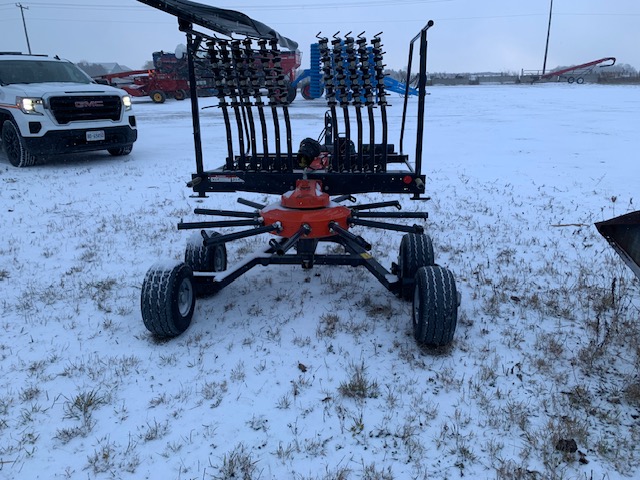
(158, 96)
(416, 250)
(571, 79)
(205, 259)
(14, 147)
(435, 307)
(120, 151)
(580, 80)
(292, 93)
(168, 299)
(179, 94)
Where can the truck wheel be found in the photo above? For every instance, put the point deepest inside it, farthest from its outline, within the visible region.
(179, 94)
(435, 307)
(168, 299)
(14, 146)
(416, 250)
(120, 151)
(203, 258)
(158, 96)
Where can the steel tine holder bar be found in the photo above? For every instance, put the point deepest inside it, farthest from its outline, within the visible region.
(219, 224)
(368, 206)
(282, 248)
(386, 226)
(219, 239)
(422, 86)
(347, 235)
(225, 213)
(421, 215)
(344, 198)
(249, 203)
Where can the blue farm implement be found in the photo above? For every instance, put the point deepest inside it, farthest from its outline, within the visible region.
(311, 81)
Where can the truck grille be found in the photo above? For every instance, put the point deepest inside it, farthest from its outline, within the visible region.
(83, 108)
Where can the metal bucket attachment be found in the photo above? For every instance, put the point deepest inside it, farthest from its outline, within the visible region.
(623, 233)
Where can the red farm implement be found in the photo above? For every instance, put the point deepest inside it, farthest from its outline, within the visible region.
(314, 184)
(170, 77)
(573, 74)
(142, 83)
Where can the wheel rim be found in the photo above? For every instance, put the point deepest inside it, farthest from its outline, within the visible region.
(416, 307)
(218, 259)
(185, 297)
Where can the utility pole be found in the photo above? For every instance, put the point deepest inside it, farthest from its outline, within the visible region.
(24, 23)
(546, 48)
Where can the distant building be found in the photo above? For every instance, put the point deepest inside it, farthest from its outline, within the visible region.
(114, 67)
(96, 69)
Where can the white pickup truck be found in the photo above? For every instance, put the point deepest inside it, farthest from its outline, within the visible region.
(48, 106)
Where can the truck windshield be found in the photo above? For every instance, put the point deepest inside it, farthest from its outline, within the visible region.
(39, 71)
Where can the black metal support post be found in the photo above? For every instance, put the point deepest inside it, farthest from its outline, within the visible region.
(192, 48)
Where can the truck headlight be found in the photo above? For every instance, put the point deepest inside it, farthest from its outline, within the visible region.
(126, 101)
(28, 105)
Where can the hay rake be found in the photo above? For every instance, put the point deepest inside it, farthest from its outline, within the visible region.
(318, 180)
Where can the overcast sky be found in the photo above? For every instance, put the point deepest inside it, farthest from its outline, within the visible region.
(468, 36)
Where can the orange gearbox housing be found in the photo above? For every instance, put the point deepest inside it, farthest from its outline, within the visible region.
(306, 205)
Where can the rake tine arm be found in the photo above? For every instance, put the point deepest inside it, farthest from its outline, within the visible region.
(422, 215)
(223, 223)
(215, 240)
(225, 213)
(249, 203)
(386, 226)
(281, 249)
(341, 232)
(367, 206)
(342, 198)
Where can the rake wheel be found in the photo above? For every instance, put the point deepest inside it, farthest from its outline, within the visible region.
(416, 250)
(435, 306)
(168, 299)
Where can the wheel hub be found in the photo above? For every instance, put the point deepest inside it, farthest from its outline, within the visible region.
(306, 205)
(185, 297)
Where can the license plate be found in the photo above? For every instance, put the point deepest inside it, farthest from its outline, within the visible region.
(95, 136)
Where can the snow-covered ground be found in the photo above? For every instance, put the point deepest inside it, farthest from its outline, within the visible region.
(288, 373)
